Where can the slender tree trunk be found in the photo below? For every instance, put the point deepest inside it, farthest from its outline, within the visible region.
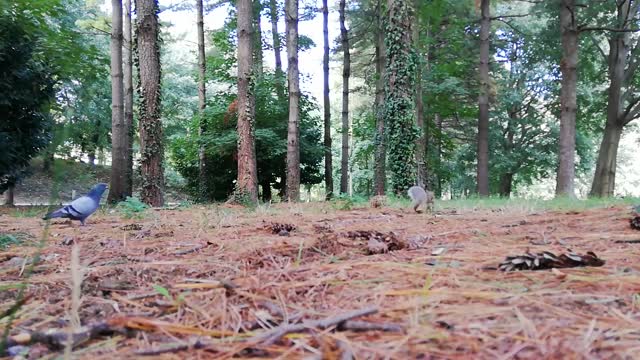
(568, 100)
(293, 133)
(399, 97)
(506, 181)
(346, 73)
(9, 196)
(202, 103)
(247, 169)
(265, 183)
(438, 121)
(128, 96)
(604, 179)
(328, 161)
(257, 37)
(483, 101)
(380, 150)
(273, 12)
(421, 142)
(117, 191)
(151, 147)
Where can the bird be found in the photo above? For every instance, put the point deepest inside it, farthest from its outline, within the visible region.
(82, 207)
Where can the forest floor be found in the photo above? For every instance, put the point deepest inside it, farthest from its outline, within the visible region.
(210, 282)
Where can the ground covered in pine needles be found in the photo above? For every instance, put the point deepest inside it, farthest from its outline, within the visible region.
(313, 281)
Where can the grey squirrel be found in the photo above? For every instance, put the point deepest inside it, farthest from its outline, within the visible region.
(419, 197)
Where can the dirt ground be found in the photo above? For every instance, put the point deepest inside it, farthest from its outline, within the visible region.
(209, 282)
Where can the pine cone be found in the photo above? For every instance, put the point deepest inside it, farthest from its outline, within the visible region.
(548, 260)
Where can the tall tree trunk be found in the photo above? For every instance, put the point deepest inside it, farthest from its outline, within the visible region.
(202, 103)
(604, 179)
(265, 183)
(483, 101)
(293, 133)
(346, 73)
(119, 136)
(399, 103)
(568, 100)
(151, 147)
(128, 96)
(247, 170)
(328, 161)
(437, 119)
(273, 12)
(257, 37)
(380, 150)
(9, 196)
(421, 142)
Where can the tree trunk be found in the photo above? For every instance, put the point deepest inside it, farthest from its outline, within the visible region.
(399, 102)
(506, 181)
(437, 119)
(202, 103)
(273, 11)
(9, 196)
(91, 157)
(421, 142)
(293, 133)
(328, 161)
(128, 97)
(119, 136)
(605, 175)
(380, 150)
(151, 147)
(604, 179)
(247, 170)
(346, 73)
(257, 37)
(483, 101)
(568, 101)
(265, 183)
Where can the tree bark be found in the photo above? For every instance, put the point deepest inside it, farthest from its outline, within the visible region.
(293, 132)
(346, 73)
(119, 136)
(604, 179)
(399, 97)
(151, 141)
(128, 96)
(273, 11)
(421, 142)
(328, 161)
(568, 100)
(202, 102)
(380, 150)
(506, 181)
(483, 101)
(9, 196)
(247, 170)
(257, 37)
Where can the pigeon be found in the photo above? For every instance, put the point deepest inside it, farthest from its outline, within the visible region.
(82, 207)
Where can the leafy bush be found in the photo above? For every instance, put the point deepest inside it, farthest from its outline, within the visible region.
(132, 208)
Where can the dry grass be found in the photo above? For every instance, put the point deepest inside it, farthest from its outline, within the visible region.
(449, 305)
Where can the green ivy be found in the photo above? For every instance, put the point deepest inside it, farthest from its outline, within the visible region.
(398, 105)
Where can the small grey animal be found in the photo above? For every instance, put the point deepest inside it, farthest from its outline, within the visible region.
(419, 197)
(82, 207)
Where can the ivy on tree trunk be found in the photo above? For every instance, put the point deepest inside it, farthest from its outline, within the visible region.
(398, 105)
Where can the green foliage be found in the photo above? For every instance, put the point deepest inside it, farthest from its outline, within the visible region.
(398, 104)
(7, 240)
(132, 208)
(220, 138)
(26, 91)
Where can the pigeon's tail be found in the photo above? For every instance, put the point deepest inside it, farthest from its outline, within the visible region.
(55, 214)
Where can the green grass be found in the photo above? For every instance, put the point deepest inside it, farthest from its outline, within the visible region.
(28, 211)
(557, 204)
(13, 239)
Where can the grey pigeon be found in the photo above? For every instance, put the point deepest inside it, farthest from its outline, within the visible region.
(82, 207)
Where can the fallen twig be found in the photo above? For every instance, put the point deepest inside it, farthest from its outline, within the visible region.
(358, 325)
(58, 339)
(634, 241)
(271, 336)
(193, 249)
(172, 348)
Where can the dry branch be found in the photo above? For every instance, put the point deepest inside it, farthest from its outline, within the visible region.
(271, 336)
